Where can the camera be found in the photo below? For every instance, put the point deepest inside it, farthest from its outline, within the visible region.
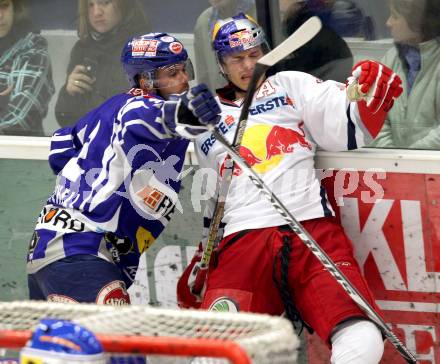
(91, 66)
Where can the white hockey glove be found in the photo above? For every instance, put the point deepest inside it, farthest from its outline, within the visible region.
(191, 113)
(375, 87)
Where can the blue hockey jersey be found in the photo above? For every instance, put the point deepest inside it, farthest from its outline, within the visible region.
(118, 172)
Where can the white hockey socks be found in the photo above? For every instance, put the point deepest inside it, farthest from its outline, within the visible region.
(357, 342)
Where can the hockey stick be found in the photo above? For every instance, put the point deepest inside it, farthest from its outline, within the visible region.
(322, 256)
(296, 40)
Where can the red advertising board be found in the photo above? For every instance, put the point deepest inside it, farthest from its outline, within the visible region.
(393, 220)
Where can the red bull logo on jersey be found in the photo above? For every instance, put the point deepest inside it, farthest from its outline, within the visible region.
(283, 140)
(264, 146)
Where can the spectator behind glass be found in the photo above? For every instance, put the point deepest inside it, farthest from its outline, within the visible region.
(26, 84)
(326, 56)
(207, 70)
(414, 121)
(343, 16)
(94, 72)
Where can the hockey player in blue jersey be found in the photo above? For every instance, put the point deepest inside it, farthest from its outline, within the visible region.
(118, 178)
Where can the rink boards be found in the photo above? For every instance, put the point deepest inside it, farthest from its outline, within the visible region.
(388, 202)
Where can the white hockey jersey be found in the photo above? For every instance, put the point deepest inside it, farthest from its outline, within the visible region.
(291, 115)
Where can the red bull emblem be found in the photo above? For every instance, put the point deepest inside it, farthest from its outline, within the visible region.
(264, 146)
(243, 38)
(250, 157)
(282, 140)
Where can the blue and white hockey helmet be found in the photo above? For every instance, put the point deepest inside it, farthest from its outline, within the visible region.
(143, 55)
(237, 34)
(59, 341)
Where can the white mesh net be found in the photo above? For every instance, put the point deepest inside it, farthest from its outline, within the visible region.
(264, 338)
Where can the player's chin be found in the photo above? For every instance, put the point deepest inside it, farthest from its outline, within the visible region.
(244, 83)
(179, 88)
(184, 86)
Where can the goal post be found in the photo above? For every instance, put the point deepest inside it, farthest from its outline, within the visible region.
(168, 346)
(236, 337)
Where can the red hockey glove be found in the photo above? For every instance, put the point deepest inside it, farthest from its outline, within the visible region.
(375, 87)
(185, 297)
(378, 85)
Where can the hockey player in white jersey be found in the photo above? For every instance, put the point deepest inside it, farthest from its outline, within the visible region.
(260, 265)
(118, 173)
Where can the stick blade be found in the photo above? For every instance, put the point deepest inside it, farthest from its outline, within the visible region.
(296, 40)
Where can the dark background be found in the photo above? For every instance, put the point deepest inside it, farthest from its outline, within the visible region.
(173, 16)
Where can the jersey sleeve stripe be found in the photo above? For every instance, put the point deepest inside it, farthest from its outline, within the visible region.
(56, 151)
(158, 134)
(61, 138)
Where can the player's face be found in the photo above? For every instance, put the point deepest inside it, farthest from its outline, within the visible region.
(239, 66)
(6, 17)
(400, 29)
(172, 80)
(104, 15)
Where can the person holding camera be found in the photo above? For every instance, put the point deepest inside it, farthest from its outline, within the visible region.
(93, 73)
